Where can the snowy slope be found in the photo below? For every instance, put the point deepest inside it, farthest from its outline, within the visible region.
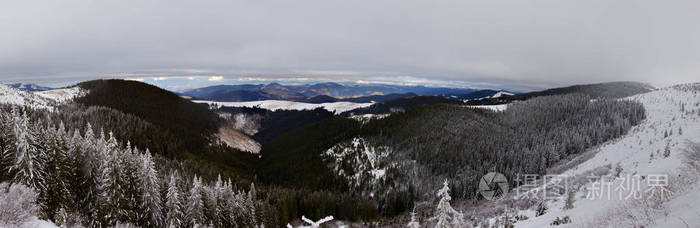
(500, 94)
(336, 107)
(9, 95)
(63, 94)
(673, 111)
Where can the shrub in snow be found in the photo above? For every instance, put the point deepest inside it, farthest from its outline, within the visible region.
(667, 151)
(541, 209)
(17, 204)
(561, 221)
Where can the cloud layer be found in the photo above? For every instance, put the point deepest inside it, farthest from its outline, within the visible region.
(534, 42)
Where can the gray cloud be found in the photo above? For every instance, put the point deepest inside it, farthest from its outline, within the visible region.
(534, 42)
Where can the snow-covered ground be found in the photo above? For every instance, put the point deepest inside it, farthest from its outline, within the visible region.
(336, 107)
(62, 94)
(673, 119)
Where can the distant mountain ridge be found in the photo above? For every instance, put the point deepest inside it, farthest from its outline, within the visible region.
(598, 90)
(31, 87)
(311, 93)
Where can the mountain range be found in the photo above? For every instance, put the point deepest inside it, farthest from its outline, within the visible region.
(327, 92)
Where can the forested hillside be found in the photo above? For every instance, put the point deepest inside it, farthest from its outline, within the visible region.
(599, 90)
(189, 121)
(461, 144)
(427, 144)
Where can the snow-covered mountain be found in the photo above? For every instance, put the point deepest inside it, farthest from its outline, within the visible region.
(31, 87)
(9, 95)
(652, 150)
(45, 99)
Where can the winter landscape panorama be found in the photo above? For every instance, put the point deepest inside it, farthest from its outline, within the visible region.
(328, 113)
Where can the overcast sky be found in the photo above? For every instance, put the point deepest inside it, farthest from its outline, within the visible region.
(536, 43)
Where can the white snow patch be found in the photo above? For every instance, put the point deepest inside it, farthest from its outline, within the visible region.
(500, 94)
(335, 107)
(63, 94)
(367, 117)
(496, 108)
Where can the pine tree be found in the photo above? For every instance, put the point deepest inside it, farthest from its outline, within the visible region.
(150, 208)
(446, 215)
(54, 194)
(194, 212)
(414, 222)
(27, 162)
(131, 187)
(7, 146)
(172, 205)
(111, 185)
(250, 205)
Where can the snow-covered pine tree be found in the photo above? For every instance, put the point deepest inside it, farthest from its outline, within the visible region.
(27, 163)
(250, 205)
(131, 186)
(210, 204)
(150, 209)
(78, 182)
(194, 212)
(226, 203)
(414, 221)
(446, 215)
(111, 185)
(7, 146)
(54, 194)
(174, 211)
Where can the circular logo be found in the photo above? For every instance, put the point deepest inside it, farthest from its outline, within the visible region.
(493, 185)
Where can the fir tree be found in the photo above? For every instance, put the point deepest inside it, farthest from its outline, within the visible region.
(414, 222)
(150, 208)
(446, 215)
(111, 185)
(172, 205)
(54, 195)
(27, 162)
(194, 212)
